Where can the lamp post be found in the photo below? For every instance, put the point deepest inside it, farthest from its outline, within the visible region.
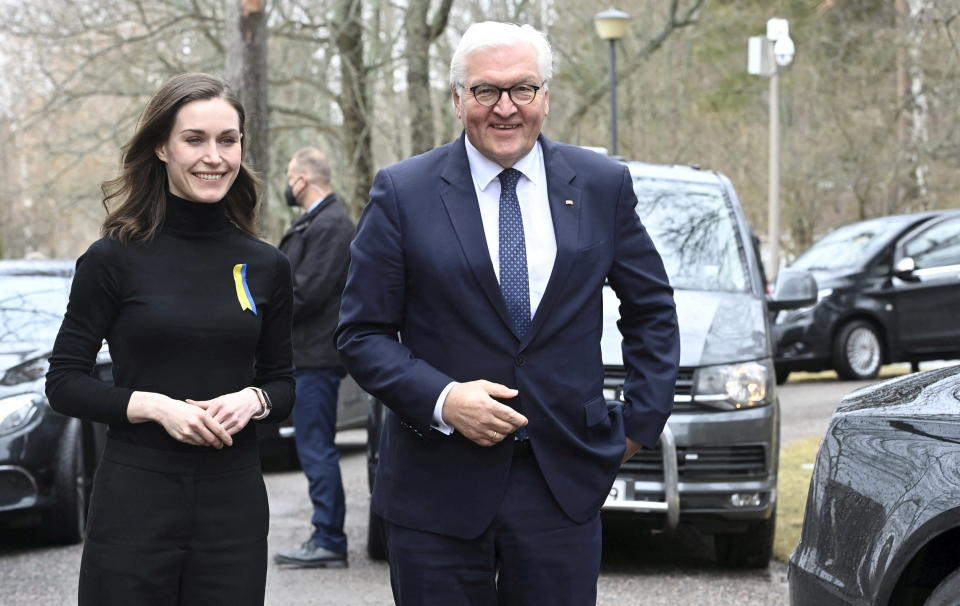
(611, 25)
(766, 55)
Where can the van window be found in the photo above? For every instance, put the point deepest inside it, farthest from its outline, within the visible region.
(696, 233)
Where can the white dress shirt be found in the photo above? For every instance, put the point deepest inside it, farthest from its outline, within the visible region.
(538, 235)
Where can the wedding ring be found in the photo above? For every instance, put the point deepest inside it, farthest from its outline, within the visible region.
(496, 435)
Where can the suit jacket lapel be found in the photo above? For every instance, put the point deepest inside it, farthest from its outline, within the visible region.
(460, 199)
(566, 227)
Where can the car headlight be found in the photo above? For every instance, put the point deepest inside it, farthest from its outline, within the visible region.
(31, 370)
(734, 386)
(788, 315)
(17, 411)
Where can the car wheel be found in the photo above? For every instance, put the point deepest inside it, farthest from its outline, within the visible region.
(376, 538)
(64, 522)
(782, 375)
(857, 353)
(946, 592)
(752, 548)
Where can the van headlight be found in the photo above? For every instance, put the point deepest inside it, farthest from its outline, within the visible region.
(734, 386)
(17, 411)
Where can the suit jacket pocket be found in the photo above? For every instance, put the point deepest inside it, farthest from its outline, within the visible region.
(598, 410)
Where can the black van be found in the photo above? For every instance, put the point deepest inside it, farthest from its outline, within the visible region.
(889, 291)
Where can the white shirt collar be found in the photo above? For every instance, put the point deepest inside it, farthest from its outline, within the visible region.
(484, 170)
(316, 204)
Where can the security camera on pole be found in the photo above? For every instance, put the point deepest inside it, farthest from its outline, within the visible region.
(766, 55)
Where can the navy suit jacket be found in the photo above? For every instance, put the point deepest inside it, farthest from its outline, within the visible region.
(422, 307)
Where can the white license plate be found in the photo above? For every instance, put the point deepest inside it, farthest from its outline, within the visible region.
(618, 492)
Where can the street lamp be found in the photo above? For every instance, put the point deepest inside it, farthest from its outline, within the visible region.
(766, 55)
(611, 25)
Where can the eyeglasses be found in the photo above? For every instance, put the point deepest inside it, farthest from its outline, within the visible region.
(489, 95)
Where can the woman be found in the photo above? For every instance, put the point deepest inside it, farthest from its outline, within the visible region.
(197, 313)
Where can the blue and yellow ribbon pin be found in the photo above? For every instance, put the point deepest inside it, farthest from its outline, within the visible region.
(243, 291)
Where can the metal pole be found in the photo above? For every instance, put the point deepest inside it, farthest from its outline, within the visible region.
(773, 220)
(613, 97)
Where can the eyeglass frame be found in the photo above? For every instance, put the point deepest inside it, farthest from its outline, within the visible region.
(501, 90)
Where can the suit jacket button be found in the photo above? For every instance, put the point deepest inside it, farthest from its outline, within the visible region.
(520, 360)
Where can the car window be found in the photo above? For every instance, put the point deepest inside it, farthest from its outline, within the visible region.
(694, 228)
(850, 245)
(938, 246)
(883, 265)
(31, 308)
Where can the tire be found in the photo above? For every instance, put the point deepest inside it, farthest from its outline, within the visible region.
(376, 538)
(752, 548)
(782, 375)
(857, 352)
(65, 521)
(945, 594)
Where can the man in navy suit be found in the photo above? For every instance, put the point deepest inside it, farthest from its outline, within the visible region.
(473, 310)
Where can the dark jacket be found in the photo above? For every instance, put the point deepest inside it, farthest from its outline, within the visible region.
(420, 267)
(318, 246)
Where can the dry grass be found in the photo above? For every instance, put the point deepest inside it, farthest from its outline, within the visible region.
(796, 467)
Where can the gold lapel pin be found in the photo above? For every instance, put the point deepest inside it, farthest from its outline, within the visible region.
(569, 202)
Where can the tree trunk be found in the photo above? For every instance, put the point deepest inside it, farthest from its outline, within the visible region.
(919, 108)
(246, 70)
(353, 100)
(897, 193)
(419, 37)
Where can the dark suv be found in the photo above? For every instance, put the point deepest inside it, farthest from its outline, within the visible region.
(716, 465)
(889, 292)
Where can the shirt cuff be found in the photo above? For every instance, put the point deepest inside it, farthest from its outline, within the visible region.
(438, 422)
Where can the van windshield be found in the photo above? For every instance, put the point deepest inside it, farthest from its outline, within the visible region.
(850, 245)
(694, 229)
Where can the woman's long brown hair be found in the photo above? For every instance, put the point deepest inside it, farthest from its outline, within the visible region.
(141, 186)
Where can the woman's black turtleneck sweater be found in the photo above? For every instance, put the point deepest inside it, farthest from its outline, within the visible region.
(172, 314)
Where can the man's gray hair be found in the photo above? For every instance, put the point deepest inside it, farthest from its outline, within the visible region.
(314, 163)
(493, 34)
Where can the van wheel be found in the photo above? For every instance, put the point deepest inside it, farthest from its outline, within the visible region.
(65, 521)
(946, 592)
(376, 538)
(752, 548)
(857, 353)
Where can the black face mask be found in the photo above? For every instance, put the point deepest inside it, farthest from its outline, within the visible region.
(289, 197)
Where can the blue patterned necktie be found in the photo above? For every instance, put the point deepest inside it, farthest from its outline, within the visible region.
(514, 282)
(513, 254)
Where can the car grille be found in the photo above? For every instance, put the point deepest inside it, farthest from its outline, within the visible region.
(684, 387)
(702, 463)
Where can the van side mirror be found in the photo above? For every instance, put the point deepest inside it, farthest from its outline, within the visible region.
(793, 289)
(904, 269)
